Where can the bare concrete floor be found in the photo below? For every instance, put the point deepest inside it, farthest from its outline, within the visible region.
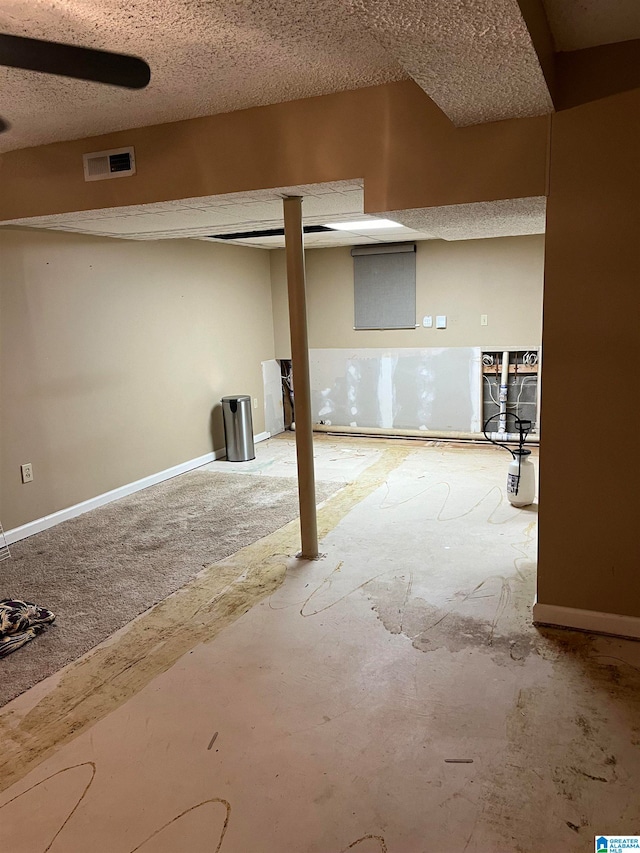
(314, 709)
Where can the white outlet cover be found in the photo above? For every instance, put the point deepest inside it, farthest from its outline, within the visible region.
(441, 321)
(427, 321)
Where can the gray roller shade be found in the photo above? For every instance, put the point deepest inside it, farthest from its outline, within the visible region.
(384, 286)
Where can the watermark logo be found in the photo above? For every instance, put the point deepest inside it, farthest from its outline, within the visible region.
(616, 843)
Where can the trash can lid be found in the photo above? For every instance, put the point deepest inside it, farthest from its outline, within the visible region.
(237, 399)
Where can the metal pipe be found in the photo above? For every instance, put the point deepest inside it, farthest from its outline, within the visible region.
(300, 366)
(504, 393)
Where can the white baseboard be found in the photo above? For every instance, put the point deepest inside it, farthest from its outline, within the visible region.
(47, 521)
(586, 620)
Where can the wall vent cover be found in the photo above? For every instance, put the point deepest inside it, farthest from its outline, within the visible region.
(101, 165)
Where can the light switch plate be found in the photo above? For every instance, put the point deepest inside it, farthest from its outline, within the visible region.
(441, 321)
(427, 321)
(483, 320)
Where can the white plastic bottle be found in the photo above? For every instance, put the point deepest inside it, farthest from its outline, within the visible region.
(521, 479)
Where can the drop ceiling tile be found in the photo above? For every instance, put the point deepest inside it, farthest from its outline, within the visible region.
(336, 238)
(185, 218)
(381, 233)
(124, 226)
(331, 205)
(260, 211)
(267, 242)
(340, 186)
(340, 207)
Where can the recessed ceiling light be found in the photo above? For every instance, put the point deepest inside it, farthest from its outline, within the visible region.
(363, 225)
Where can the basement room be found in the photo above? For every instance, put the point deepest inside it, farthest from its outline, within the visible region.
(305, 543)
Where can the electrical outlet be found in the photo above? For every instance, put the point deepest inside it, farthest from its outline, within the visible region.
(255, 402)
(27, 472)
(484, 320)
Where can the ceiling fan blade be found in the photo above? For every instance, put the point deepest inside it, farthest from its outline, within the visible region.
(4, 125)
(66, 60)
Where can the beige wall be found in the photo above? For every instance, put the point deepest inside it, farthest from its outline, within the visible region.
(113, 354)
(589, 551)
(499, 277)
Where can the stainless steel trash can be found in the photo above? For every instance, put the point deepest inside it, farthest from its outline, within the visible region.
(238, 428)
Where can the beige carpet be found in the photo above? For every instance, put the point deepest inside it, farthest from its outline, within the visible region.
(100, 570)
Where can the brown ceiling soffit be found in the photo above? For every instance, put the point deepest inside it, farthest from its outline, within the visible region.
(596, 72)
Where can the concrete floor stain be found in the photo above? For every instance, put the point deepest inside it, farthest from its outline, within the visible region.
(430, 627)
(536, 760)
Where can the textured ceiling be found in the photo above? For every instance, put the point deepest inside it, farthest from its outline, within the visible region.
(476, 60)
(506, 218)
(576, 24)
(341, 201)
(206, 57)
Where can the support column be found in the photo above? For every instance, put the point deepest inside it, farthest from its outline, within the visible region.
(301, 384)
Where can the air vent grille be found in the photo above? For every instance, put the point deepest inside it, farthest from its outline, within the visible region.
(101, 165)
(120, 162)
(97, 166)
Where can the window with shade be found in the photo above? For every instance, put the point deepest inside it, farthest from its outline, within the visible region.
(384, 286)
